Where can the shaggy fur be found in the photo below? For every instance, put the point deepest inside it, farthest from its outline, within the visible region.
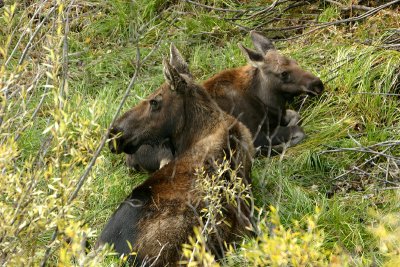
(159, 215)
(256, 94)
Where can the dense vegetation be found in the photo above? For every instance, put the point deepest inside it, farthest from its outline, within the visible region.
(67, 67)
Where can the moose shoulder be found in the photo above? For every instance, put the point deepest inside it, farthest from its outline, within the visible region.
(159, 215)
(256, 94)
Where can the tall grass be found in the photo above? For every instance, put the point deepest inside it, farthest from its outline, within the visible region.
(65, 65)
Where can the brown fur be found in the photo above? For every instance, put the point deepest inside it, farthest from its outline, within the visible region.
(256, 94)
(223, 83)
(160, 214)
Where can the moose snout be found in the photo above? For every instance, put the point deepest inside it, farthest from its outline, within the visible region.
(316, 87)
(115, 137)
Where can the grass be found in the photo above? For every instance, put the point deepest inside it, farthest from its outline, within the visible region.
(352, 111)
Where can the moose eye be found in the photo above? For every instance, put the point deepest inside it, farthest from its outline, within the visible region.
(285, 76)
(154, 104)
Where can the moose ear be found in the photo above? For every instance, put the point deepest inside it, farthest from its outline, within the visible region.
(173, 78)
(178, 62)
(261, 43)
(255, 59)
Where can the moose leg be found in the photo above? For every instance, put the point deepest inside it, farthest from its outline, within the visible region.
(285, 137)
(282, 138)
(291, 118)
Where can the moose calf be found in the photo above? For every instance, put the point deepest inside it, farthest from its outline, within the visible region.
(160, 214)
(256, 94)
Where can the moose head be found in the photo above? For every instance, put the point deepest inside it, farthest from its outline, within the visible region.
(165, 113)
(278, 74)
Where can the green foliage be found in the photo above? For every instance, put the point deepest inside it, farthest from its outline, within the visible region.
(196, 252)
(53, 117)
(218, 190)
(329, 14)
(387, 233)
(46, 139)
(302, 245)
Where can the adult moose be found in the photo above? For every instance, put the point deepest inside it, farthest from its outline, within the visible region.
(159, 215)
(256, 94)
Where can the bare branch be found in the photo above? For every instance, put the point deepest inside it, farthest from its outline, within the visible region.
(216, 8)
(41, 5)
(48, 250)
(105, 136)
(64, 80)
(28, 45)
(376, 93)
(351, 7)
(337, 22)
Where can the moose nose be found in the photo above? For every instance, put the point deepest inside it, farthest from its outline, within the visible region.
(316, 86)
(115, 136)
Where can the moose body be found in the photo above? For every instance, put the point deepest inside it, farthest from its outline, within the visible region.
(160, 214)
(256, 94)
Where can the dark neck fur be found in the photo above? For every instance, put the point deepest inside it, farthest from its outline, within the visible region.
(200, 114)
(271, 97)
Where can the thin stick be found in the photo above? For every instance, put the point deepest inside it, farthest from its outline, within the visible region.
(363, 150)
(349, 171)
(267, 9)
(352, 19)
(105, 136)
(351, 7)
(390, 188)
(24, 33)
(64, 81)
(216, 8)
(47, 253)
(375, 93)
(28, 45)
